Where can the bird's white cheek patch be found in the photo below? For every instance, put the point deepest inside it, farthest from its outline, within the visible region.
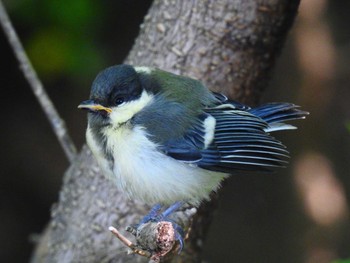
(209, 128)
(125, 112)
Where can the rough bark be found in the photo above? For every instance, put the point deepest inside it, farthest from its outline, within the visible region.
(230, 45)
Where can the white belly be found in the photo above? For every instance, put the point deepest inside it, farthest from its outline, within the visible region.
(149, 175)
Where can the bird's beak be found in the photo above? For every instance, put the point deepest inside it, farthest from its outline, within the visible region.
(93, 106)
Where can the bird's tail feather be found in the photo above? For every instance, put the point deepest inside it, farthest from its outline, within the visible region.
(275, 114)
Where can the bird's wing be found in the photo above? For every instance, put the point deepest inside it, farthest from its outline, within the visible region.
(226, 141)
(230, 136)
(241, 143)
(189, 147)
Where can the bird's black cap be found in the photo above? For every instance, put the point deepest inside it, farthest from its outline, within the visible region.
(120, 81)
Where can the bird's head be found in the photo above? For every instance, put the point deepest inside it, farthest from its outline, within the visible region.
(116, 96)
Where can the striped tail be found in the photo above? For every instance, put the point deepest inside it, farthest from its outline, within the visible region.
(275, 114)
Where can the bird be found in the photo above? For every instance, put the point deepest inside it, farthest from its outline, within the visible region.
(167, 139)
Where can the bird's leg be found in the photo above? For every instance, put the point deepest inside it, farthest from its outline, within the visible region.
(155, 216)
(153, 213)
(171, 209)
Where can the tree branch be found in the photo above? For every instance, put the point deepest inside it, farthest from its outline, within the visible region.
(46, 104)
(230, 45)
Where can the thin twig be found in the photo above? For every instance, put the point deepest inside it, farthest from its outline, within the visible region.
(55, 120)
(128, 243)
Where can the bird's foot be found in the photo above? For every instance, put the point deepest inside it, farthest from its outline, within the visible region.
(163, 219)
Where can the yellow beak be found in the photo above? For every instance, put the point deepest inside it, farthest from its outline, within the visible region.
(92, 106)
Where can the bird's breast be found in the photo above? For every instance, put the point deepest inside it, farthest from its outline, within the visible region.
(145, 173)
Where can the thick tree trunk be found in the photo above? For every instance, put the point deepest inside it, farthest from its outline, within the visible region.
(230, 45)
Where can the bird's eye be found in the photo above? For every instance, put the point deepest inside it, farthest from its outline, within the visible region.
(119, 100)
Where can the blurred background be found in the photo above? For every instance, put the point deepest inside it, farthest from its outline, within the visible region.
(299, 214)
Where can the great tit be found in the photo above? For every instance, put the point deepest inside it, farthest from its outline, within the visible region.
(164, 138)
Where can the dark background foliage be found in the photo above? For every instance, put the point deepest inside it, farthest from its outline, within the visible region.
(299, 214)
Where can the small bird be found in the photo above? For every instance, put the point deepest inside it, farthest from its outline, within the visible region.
(165, 138)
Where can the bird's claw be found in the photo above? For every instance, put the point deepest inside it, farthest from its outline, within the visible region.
(179, 236)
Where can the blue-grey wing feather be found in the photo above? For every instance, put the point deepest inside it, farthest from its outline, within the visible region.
(182, 150)
(188, 147)
(241, 138)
